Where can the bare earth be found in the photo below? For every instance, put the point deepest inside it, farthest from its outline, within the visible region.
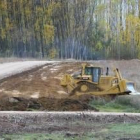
(40, 88)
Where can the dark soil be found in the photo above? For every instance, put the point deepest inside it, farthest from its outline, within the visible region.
(45, 104)
(65, 105)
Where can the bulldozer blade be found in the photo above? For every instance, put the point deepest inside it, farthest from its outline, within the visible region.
(130, 87)
(135, 93)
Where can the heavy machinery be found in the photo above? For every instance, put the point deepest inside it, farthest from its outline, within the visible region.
(90, 80)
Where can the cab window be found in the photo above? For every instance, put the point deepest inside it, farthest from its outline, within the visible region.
(96, 74)
(88, 71)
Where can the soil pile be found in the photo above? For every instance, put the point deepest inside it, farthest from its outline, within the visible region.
(65, 104)
(44, 104)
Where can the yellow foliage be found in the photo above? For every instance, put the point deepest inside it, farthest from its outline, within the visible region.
(99, 46)
(3, 6)
(132, 21)
(48, 33)
(53, 7)
(28, 12)
(100, 9)
(37, 27)
(3, 34)
(39, 10)
(132, 30)
(52, 53)
(8, 24)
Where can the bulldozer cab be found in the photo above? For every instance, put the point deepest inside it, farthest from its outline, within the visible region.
(94, 72)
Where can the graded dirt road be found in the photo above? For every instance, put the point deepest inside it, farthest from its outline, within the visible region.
(12, 68)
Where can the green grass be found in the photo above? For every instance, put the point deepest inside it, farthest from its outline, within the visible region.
(117, 105)
(38, 136)
(117, 131)
(132, 129)
(106, 132)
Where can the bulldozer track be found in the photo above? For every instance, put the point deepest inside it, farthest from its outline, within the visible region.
(90, 88)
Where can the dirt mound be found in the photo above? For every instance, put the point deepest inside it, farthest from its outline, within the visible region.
(44, 104)
(65, 104)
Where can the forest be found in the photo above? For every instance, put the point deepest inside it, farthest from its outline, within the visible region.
(70, 29)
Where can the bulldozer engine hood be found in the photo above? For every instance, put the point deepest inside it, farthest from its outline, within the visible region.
(86, 77)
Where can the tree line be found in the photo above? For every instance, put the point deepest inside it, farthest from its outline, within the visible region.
(63, 29)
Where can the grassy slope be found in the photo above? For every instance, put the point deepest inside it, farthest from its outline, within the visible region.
(120, 104)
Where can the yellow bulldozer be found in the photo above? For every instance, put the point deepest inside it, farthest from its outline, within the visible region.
(90, 80)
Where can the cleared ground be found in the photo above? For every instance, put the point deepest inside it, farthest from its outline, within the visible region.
(39, 89)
